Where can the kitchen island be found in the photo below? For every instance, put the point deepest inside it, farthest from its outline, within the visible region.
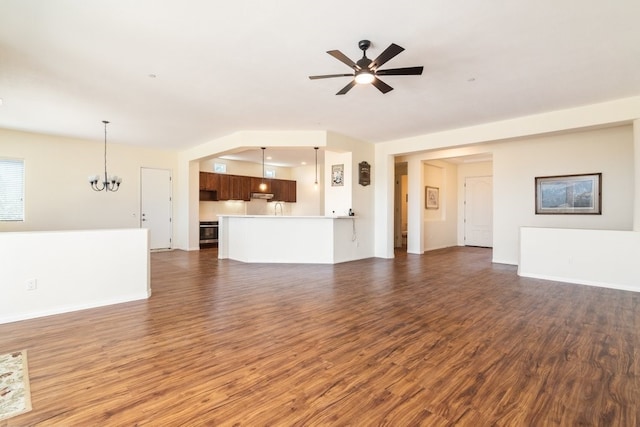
(288, 239)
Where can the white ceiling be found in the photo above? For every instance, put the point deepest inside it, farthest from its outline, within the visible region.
(222, 67)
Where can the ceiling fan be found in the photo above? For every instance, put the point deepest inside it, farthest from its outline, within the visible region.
(366, 71)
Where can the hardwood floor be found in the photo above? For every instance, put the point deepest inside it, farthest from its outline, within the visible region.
(443, 339)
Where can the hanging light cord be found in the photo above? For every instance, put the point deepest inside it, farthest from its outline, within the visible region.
(316, 148)
(106, 180)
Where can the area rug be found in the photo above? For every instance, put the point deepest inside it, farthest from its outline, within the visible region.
(15, 396)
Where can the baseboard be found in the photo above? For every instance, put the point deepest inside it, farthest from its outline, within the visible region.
(497, 261)
(619, 287)
(69, 309)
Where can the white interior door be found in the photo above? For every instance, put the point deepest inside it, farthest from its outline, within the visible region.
(156, 206)
(478, 211)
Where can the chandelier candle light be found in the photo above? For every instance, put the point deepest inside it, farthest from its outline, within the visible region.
(110, 183)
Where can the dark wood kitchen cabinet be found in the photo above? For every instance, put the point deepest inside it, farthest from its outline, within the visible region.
(277, 189)
(209, 181)
(291, 191)
(224, 187)
(217, 186)
(255, 185)
(283, 190)
(213, 181)
(239, 187)
(203, 180)
(208, 186)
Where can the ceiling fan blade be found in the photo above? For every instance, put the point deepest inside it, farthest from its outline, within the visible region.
(328, 76)
(343, 58)
(385, 56)
(347, 88)
(382, 86)
(408, 71)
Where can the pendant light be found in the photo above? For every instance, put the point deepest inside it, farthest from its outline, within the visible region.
(110, 183)
(263, 185)
(316, 183)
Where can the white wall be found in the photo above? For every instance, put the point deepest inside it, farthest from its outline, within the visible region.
(430, 229)
(339, 198)
(517, 163)
(590, 257)
(515, 166)
(235, 167)
(74, 270)
(57, 193)
(310, 197)
(440, 225)
(362, 196)
(458, 141)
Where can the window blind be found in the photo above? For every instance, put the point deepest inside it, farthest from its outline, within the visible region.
(11, 190)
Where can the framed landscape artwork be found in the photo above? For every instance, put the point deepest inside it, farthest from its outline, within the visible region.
(569, 194)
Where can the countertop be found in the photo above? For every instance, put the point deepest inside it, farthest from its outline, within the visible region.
(289, 216)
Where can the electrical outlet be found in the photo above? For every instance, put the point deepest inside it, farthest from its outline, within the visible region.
(31, 284)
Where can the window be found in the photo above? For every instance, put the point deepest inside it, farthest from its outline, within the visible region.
(11, 190)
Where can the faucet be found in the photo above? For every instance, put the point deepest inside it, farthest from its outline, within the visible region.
(275, 209)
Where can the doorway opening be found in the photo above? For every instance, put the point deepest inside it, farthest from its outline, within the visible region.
(401, 199)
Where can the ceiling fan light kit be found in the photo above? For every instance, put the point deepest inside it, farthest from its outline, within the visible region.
(364, 77)
(366, 71)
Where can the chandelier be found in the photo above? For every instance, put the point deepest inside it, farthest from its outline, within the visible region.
(110, 183)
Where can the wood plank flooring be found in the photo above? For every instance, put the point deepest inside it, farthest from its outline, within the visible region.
(442, 339)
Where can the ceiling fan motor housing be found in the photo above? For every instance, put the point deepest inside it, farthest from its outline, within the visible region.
(363, 62)
(364, 44)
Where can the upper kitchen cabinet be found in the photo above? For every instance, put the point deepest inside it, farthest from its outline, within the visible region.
(291, 194)
(216, 186)
(224, 187)
(213, 181)
(203, 180)
(283, 190)
(239, 187)
(208, 186)
(209, 181)
(255, 185)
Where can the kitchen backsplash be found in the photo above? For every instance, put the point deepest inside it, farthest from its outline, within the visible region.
(209, 211)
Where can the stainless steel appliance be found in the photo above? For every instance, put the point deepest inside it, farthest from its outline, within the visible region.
(208, 233)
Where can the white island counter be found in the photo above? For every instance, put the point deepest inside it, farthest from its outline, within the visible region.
(288, 239)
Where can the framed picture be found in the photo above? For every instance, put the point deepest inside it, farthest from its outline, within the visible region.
(569, 194)
(364, 173)
(337, 175)
(431, 197)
